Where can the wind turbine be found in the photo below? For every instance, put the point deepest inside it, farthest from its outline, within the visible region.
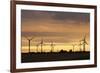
(41, 43)
(84, 43)
(73, 46)
(37, 47)
(29, 42)
(52, 46)
(80, 45)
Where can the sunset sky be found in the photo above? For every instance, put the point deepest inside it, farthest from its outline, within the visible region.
(61, 28)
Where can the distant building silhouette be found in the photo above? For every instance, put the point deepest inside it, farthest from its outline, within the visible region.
(63, 51)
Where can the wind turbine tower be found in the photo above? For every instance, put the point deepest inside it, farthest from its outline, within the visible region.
(29, 43)
(37, 47)
(41, 43)
(73, 46)
(84, 43)
(52, 47)
(80, 45)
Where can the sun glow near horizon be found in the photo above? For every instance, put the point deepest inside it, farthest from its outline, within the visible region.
(57, 48)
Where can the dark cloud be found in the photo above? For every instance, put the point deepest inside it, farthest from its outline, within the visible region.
(73, 16)
(50, 34)
(33, 15)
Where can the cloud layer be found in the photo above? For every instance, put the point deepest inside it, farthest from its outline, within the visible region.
(55, 26)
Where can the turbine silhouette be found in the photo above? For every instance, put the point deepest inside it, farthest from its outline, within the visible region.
(41, 43)
(37, 47)
(84, 43)
(79, 45)
(52, 46)
(73, 46)
(29, 42)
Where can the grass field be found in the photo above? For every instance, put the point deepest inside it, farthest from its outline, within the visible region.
(54, 56)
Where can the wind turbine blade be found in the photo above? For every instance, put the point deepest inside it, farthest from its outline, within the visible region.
(26, 38)
(31, 38)
(86, 43)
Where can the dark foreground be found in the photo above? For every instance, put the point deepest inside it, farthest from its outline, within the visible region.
(60, 56)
